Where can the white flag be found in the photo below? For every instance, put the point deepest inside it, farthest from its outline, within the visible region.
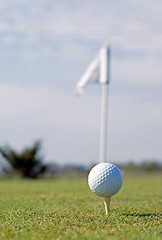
(98, 70)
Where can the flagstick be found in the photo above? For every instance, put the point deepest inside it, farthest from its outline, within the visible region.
(101, 63)
(104, 79)
(103, 136)
(104, 110)
(103, 133)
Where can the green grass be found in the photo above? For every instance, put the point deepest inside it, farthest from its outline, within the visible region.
(66, 209)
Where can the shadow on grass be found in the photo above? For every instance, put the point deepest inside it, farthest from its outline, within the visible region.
(143, 215)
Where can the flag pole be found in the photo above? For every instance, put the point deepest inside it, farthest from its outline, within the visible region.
(103, 130)
(104, 110)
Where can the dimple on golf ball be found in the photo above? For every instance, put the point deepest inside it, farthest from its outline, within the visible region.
(105, 179)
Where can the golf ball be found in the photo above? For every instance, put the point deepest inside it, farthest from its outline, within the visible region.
(105, 180)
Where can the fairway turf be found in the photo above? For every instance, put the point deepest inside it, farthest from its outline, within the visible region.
(67, 209)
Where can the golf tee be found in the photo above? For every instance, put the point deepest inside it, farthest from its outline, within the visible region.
(107, 204)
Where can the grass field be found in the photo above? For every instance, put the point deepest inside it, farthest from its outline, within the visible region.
(66, 209)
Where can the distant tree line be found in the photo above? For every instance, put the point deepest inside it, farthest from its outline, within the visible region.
(146, 165)
(29, 163)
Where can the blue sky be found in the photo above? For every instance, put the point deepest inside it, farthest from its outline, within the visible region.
(45, 47)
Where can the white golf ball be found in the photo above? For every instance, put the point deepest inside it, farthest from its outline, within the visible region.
(105, 180)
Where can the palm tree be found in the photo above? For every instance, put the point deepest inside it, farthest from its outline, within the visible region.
(27, 163)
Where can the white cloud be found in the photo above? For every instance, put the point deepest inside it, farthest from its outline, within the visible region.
(134, 127)
(84, 19)
(3, 26)
(133, 27)
(145, 71)
(69, 126)
(54, 41)
(30, 113)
